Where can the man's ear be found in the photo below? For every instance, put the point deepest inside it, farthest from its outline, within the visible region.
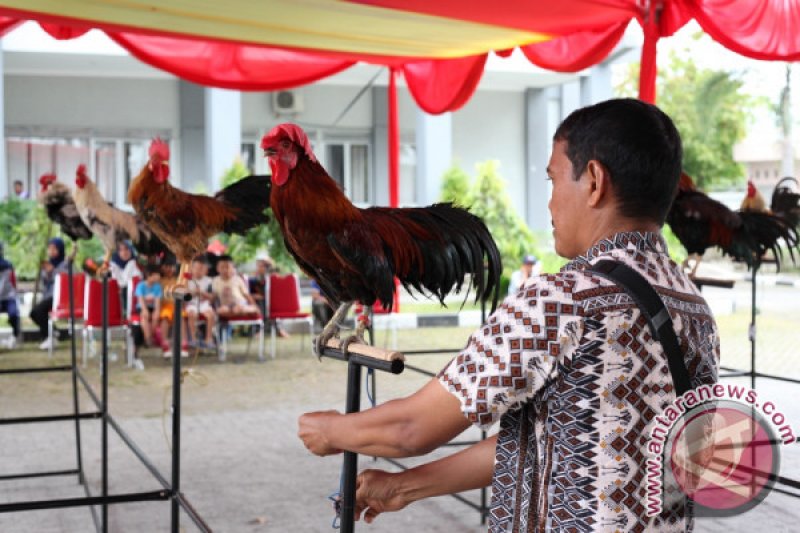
(599, 183)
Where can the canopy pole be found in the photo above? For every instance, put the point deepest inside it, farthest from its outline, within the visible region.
(394, 142)
(648, 68)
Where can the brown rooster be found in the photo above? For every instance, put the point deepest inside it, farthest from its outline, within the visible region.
(701, 222)
(355, 254)
(109, 224)
(185, 222)
(753, 200)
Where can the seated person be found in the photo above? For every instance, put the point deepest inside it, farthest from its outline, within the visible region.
(230, 290)
(200, 304)
(148, 303)
(124, 268)
(258, 287)
(169, 269)
(8, 300)
(320, 307)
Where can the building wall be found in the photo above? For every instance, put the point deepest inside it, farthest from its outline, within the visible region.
(105, 105)
(492, 126)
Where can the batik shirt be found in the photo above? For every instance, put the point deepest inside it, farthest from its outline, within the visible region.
(569, 368)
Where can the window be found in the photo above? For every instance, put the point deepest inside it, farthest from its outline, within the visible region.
(112, 163)
(348, 164)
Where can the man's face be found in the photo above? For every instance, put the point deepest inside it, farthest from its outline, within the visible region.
(225, 269)
(17, 188)
(567, 203)
(198, 269)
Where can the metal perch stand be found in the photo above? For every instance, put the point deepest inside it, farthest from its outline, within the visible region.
(359, 355)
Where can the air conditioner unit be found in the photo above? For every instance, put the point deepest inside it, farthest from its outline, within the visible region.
(287, 102)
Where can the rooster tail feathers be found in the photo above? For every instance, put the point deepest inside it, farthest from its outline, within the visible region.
(763, 232)
(248, 197)
(464, 246)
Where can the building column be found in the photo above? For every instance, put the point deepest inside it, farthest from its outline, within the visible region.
(192, 121)
(434, 140)
(542, 116)
(596, 87)
(223, 135)
(380, 145)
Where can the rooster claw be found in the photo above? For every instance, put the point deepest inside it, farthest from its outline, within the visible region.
(352, 339)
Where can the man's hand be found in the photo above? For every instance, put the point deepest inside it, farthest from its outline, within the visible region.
(378, 492)
(312, 430)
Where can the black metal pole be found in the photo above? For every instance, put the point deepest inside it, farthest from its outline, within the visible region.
(176, 415)
(104, 406)
(752, 332)
(352, 405)
(74, 369)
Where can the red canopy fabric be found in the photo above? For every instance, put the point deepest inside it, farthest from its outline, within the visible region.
(585, 32)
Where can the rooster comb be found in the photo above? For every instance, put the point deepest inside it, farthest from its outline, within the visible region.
(47, 178)
(160, 149)
(81, 170)
(295, 134)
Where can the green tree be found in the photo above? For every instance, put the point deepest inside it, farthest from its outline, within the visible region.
(489, 200)
(710, 111)
(265, 238)
(455, 185)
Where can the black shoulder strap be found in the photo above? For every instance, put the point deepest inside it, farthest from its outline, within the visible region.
(647, 299)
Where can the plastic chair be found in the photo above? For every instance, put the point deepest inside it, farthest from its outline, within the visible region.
(93, 315)
(60, 309)
(284, 305)
(247, 319)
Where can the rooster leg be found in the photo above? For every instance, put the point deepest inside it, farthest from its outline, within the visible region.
(180, 284)
(331, 329)
(697, 259)
(105, 265)
(74, 251)
(357, 337)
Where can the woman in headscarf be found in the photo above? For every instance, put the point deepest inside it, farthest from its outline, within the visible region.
(124, 268)
(54, 265)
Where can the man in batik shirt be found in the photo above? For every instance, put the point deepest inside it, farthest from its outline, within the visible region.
(567, 365)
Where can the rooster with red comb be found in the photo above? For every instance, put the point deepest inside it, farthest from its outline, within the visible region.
(356, 254)
(111, 225)
(184, 221)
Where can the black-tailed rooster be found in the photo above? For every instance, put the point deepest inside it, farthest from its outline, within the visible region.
(111, 225)
(355, 254)
(786, 202)
(57, 200)
(185, 222)
(746, 235)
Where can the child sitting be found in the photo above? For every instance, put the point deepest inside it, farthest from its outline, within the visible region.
(8, 299)
(148, 303)
(200, 304)
(230, 290)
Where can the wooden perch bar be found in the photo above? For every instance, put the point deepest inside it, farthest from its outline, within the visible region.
(368, 356)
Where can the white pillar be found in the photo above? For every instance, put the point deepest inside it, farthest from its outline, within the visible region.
(434, 139)
(380, 143)
(223, 132)
(542, 116)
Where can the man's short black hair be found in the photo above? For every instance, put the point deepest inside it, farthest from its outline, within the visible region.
(222, 258)
(202, 259)
(17, 182)
(639, 146)
(152, 269)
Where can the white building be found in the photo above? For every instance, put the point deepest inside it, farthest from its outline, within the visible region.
(88, 101)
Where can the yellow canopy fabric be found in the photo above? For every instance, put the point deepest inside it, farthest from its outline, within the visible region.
(326, 25)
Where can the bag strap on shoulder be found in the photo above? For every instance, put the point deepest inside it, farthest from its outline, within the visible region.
(648, 301)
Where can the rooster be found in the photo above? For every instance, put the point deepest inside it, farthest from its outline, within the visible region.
(700, 222)
(753, 201)
(185, 222)
(355, 254)
(786, 202)
(60, 206)
(111, 225)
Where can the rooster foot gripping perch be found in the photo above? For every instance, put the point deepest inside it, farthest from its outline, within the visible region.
(331, 329)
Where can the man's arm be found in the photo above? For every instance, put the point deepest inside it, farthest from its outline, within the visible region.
(407, 427)
(378, 491)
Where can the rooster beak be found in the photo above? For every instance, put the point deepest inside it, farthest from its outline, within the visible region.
(269, 152)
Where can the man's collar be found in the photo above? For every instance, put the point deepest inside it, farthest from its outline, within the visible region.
(636, 240)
